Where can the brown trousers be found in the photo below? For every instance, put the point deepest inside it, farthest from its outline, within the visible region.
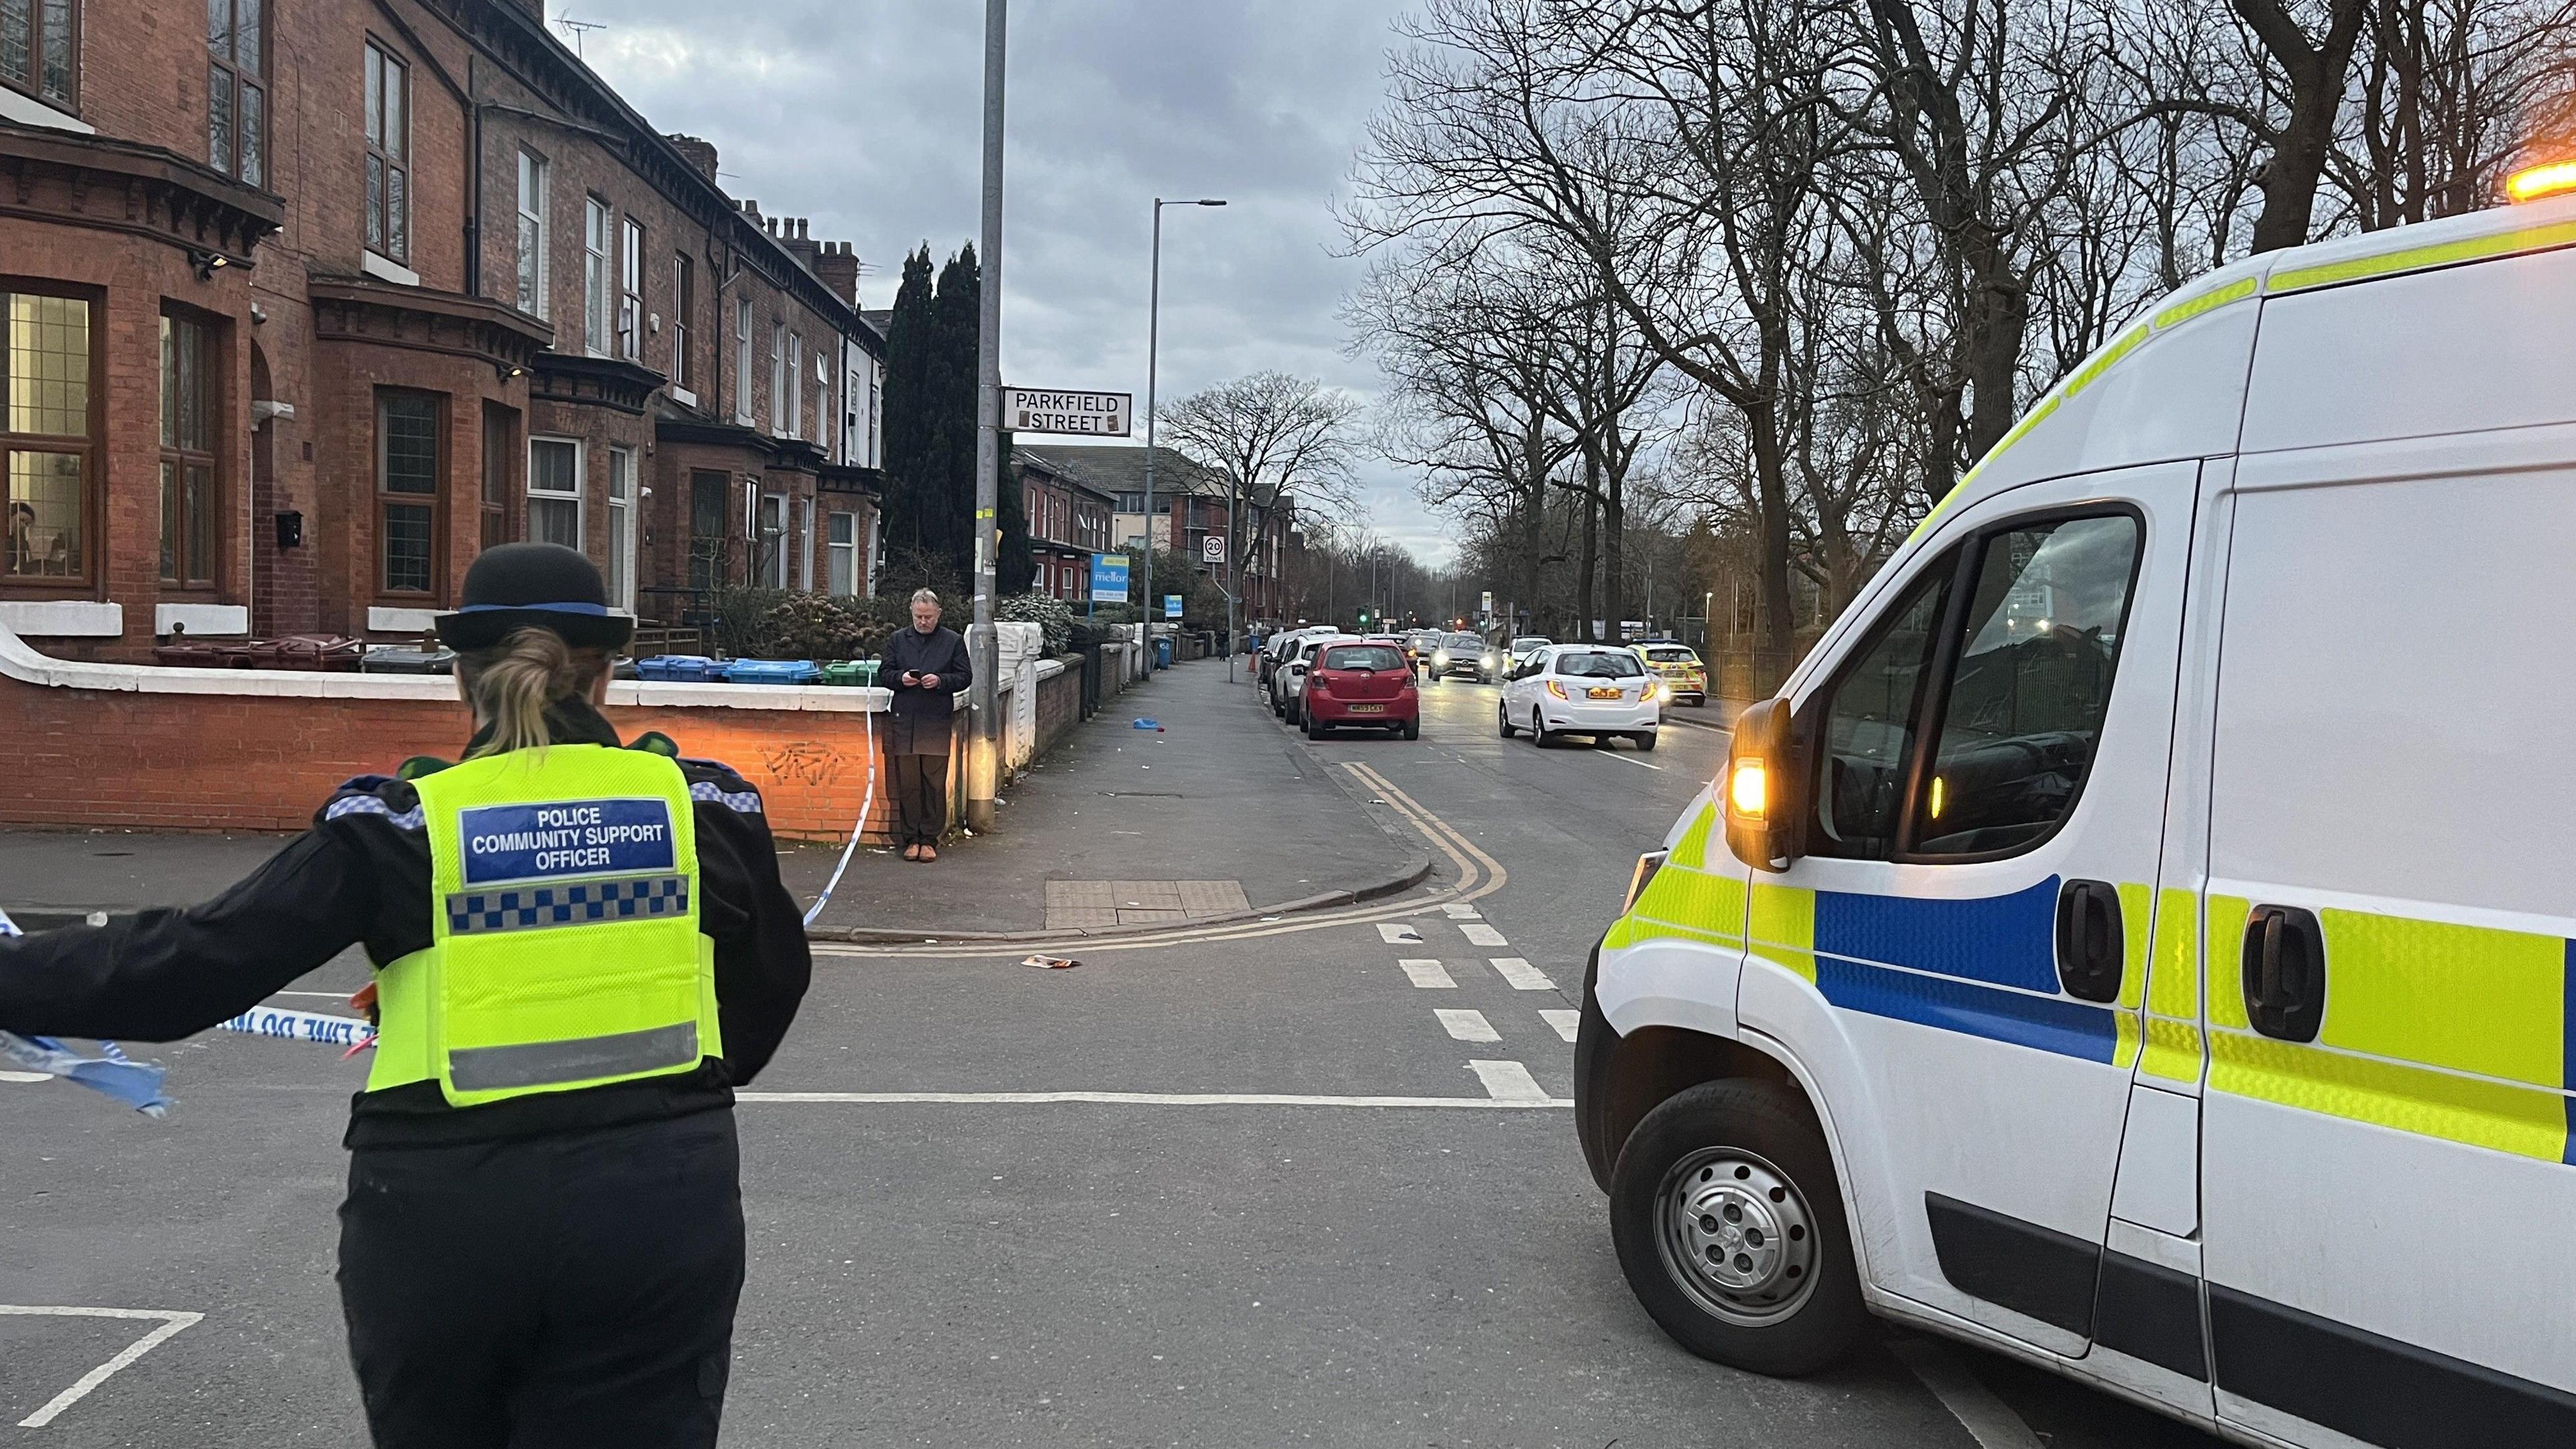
(920, 798)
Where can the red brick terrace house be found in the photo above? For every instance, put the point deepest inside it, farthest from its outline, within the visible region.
(1068, 520)
(308, 304)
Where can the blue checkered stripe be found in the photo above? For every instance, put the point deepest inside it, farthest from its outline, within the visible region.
(567, 903)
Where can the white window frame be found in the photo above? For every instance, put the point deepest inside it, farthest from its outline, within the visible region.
(777, 548)
(684, 286)
(598, 220)
(841, 567)
(777, 378)
(742, 361)
(580, 466)
(805, 543)
(630, 289)
(534, 273)
(795, 385)
(621, 528)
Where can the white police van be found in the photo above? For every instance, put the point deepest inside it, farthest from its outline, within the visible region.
(2138, 938)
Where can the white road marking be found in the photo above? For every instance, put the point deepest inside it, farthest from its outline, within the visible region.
(172, 1324)
(1522, 975)
(1466, 1025)
(1457, 912)
(1396, 933)
(1563, 1020)
(24, 1077)
(1429, 975)
(1157, 1099)
(1625, 759)
(1988, 1420)
(1480, 934)
(1509, 1082)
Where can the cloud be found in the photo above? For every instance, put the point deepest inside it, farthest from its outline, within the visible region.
(865, 117)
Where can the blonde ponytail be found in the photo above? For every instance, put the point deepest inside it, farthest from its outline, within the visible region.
(511, 685)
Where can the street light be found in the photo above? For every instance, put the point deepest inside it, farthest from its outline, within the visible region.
(1153, 342)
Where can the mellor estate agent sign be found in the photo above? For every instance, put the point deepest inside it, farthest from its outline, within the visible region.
(1038, 410)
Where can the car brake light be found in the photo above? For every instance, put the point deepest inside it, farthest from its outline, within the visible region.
(1556, 689)
(1647, 693)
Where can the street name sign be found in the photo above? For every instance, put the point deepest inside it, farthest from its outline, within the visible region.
(1046, 410)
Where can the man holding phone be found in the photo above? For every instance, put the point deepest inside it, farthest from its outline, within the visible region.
(926, 667)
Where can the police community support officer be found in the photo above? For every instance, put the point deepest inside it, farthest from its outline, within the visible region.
(581, 948)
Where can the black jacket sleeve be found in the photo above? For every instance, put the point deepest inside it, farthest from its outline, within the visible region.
(166, 974)
(958, 675)
(763, 963)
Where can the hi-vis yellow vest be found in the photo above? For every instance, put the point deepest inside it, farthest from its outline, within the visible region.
(565, 952)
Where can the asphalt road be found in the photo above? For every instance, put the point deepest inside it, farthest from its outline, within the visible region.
(1318, 1198)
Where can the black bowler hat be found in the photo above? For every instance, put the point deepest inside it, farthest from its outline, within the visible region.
(534, 585)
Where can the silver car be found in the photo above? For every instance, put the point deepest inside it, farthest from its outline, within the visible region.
(1469, 654)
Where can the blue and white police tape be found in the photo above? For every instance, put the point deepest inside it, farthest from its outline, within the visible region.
(285, 1025)
(868, 802)
(136, 1084)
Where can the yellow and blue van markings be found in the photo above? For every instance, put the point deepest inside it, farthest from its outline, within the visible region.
(1984, 967)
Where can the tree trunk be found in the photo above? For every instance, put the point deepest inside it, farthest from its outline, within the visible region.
(1777, 630)
(1583, 594)
(1614, 528)
(2316, 73)
(1998, 319)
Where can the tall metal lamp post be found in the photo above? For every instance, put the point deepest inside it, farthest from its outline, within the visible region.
(1153, 344)
(983, 761)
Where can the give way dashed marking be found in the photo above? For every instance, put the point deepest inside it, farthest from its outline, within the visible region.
(172, 1325)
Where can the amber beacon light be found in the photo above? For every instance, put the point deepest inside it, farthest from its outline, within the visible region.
(2554, 178)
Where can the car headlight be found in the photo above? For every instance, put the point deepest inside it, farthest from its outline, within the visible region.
(1441, 659)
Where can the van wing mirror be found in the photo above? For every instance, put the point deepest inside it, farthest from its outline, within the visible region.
(1763, 793)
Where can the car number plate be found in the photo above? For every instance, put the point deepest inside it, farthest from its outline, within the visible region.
(1368, 709)
(1601, 694)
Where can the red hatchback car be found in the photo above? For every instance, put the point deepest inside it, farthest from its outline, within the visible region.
(1355, 683)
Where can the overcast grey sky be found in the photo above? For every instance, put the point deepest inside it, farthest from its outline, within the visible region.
(863, 115)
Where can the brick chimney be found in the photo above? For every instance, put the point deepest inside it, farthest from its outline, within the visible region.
(838, 266)
(701, 155)
(792, 235)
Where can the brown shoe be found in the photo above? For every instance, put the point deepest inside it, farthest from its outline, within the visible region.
(912, 852)
(928, 853)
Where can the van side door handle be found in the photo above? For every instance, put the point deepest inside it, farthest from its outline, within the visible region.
(2284, 971)
(2092, 950)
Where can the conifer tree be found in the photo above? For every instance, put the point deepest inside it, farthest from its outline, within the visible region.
(912, 482)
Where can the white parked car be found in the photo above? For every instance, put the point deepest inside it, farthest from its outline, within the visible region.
(1604, 691)
(1288, 682)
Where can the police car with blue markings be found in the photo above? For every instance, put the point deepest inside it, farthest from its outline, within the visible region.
(2140, 938)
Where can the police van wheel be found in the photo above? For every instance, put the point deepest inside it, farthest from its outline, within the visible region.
(1730, 1229)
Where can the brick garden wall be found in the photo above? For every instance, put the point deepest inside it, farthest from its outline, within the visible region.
(1059, 703)
(109, 758)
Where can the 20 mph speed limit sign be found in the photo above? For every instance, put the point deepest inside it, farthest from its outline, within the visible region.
(1212, 549)
(1039, 410)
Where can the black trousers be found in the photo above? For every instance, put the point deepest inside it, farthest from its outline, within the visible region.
(921, 798)
(552, 1293)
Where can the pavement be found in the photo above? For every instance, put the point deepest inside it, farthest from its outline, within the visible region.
(1308, 1181)
(1245, 814)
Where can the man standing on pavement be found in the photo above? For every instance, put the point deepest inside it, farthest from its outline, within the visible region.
(926, 667)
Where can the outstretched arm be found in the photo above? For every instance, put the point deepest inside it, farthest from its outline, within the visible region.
(166, 974)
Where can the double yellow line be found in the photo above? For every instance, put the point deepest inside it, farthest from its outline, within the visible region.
(1478, 875)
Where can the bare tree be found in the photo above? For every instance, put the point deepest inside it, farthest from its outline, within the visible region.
(1272, 436)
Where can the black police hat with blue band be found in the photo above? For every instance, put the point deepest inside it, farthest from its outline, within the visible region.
(534, 585)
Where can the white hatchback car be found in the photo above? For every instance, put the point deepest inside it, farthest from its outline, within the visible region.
(1603, 690)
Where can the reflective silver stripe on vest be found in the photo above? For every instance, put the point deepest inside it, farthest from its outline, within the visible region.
(550, 1063)
(566, 903)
